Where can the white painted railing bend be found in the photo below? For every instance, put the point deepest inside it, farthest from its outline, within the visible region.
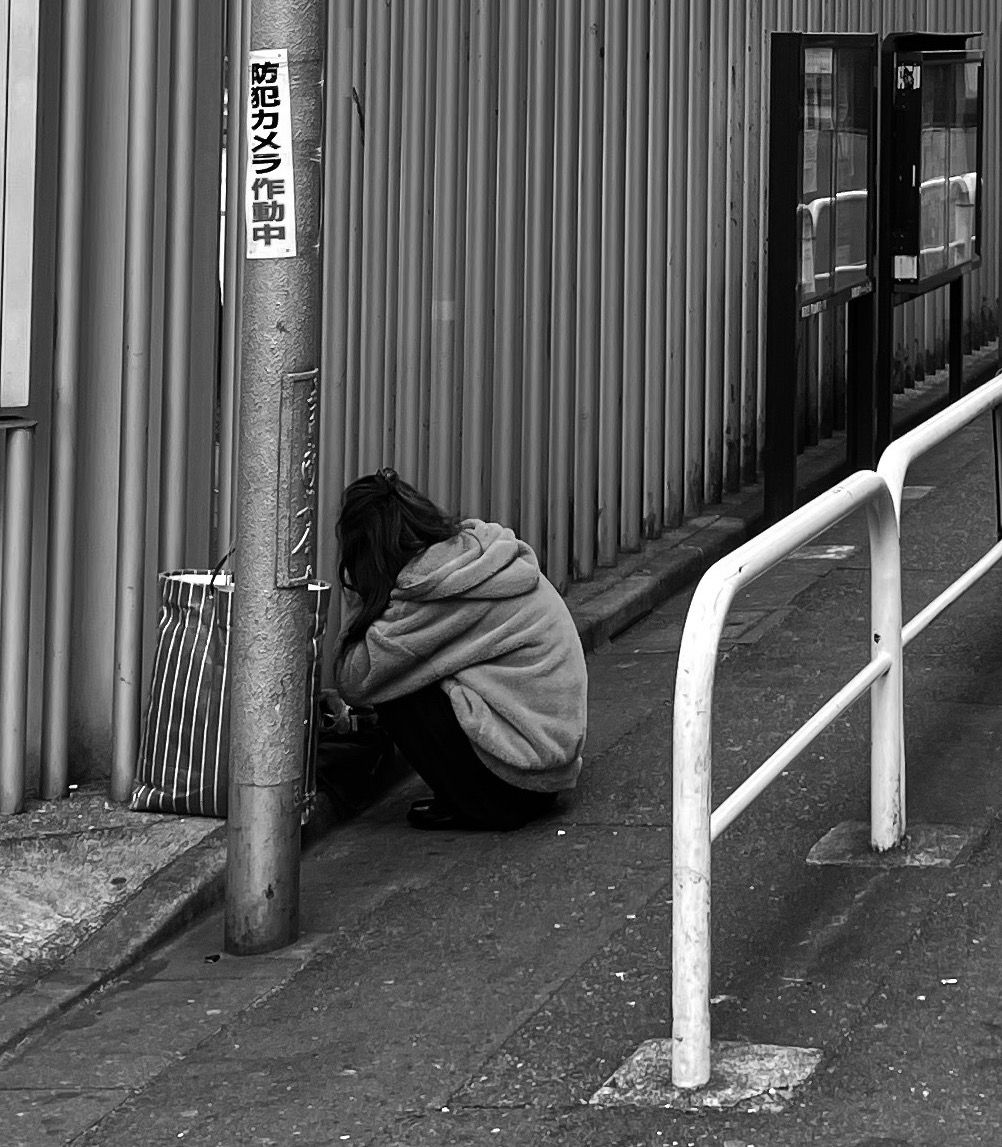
(693, 825)
(893, 467)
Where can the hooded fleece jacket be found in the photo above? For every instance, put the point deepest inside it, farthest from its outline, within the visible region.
(476, 615)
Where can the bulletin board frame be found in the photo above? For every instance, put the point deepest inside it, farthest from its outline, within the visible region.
(822, 232)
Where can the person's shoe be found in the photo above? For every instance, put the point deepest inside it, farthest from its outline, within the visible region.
(432, 814)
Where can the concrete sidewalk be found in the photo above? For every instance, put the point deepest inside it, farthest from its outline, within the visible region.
(88, 887)
(120, 884)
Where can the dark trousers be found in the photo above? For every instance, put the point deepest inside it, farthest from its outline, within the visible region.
(426, 731)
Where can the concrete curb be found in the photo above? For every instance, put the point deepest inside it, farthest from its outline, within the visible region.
(171, 898)
(661, 570)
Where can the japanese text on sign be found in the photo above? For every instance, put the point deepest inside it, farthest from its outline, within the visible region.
(271, 195)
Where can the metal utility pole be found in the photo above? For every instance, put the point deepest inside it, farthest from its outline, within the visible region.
(281, 111)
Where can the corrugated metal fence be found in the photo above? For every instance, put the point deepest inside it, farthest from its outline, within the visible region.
(545, 256)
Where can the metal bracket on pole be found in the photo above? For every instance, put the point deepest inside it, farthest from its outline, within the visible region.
(296, 527)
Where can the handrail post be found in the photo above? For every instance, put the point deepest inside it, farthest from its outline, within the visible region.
(887, 770)
(691, 777)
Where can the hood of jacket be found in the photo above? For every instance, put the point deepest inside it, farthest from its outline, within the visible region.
(485, 560)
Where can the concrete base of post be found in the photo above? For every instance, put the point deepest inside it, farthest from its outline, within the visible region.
(760, 1075)
(924, 846)
(262, 862)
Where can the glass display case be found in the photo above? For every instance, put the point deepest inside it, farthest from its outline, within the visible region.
(835, 141)
(935, 163)
(822, 225)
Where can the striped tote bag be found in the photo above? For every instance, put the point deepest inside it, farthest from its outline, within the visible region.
(184, 751)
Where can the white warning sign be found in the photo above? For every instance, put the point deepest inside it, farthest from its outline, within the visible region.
(271, 194)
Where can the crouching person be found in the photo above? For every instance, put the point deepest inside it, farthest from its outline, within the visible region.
(468, 654)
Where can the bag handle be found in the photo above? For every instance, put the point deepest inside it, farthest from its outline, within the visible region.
(219, 568)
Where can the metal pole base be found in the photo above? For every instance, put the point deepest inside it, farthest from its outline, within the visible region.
(262, 867)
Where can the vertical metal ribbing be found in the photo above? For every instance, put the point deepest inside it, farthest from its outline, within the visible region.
(919, 308)
(717, 212)
(428, 223)
(613, 279)
(985, 272)
(589, 291)
(992, 22)
(391, 273)
(635, 279)
(937, 354)
(982, 275)
(375, 164)
(462, 230)
(412, 206)
(237, 31)
(770, 23)
(565, 286)
(987, 21)
(539, 240)
(734, 267)
(131, 565)
(511, 251)
(65, 391)
(752, 235)
(656, 319)
(977, 276)
(478, 374)
(356, 304)
(810, 21)
(443, 302)
(891, 21)
(339, 113)
(696, 253)
(826, 368)
(678, 176)
(992, 244)
(909, 340)
(177, 291)
(15, 610)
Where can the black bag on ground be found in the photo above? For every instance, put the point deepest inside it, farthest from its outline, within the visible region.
(354, 754)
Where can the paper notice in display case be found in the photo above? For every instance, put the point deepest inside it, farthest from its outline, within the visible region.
(270, 193)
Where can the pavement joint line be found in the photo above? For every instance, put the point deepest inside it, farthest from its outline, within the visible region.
(616, 826)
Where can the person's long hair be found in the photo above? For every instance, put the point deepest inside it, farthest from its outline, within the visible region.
(384, 523)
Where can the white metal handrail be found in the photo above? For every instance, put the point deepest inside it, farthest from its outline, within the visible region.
(793, 746)
(893, 467)
(693, 826)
